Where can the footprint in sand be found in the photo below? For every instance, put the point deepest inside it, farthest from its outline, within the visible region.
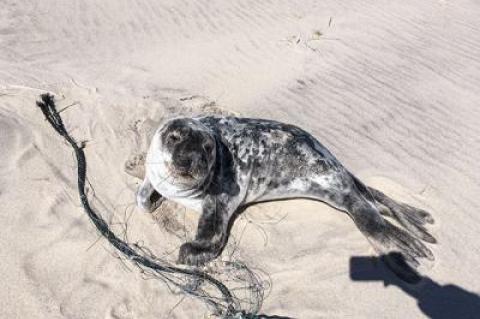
(121, 310)
(135, 165)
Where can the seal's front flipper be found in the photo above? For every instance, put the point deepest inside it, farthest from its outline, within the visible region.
(387, 238)
(147, 197)
(212, 233)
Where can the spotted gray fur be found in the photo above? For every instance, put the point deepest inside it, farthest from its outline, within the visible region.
(219, 165)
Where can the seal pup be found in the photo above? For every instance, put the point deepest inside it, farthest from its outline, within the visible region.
(219, 165)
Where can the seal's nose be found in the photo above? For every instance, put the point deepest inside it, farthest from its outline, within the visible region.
(184, 163)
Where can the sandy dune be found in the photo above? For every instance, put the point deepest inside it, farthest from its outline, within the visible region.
(391, 89)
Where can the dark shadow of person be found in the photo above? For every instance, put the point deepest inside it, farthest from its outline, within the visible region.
(435, 300)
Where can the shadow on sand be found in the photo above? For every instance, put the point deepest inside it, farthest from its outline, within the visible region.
(434, 300)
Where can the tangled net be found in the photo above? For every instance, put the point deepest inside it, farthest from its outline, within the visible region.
(224, 302)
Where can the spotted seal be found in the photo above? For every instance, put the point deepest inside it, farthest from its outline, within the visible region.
(219, 165)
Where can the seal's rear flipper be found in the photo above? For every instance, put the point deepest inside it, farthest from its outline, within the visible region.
(387, 238)
(394, 242)
(413, 219)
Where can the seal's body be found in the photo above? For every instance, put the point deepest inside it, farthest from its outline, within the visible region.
(218, 165)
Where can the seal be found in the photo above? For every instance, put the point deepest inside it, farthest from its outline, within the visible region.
(219, 165)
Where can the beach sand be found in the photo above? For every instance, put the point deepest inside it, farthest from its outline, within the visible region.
(391, 89)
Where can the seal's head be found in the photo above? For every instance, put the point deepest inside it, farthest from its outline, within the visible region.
(181, 154)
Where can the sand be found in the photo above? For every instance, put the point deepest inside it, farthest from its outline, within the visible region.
(390, 89)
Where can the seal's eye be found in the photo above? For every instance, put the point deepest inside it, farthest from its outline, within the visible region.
(208, 147)
(173, 138)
